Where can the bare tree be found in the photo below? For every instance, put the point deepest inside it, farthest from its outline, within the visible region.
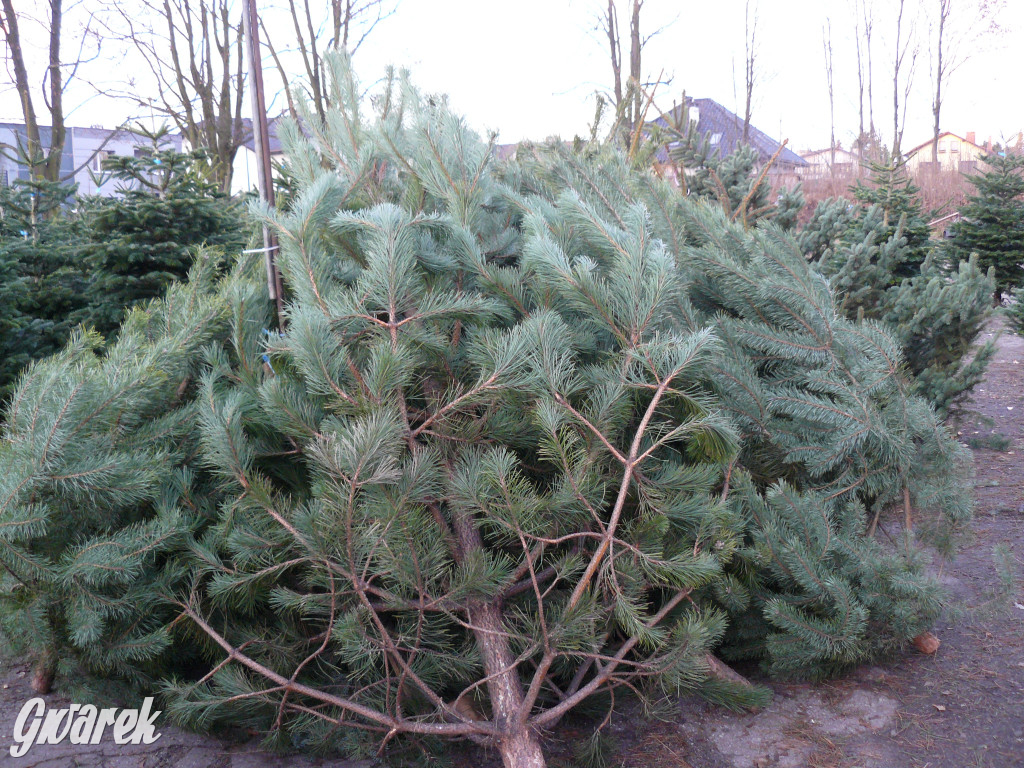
(869, 23)
(334, 25)
(627, 94)
(626, 101)
(939, 73)
(194, 51)
(860, 87)
(826, 41)
(43, 164)
(955, 38)
(611, 27)
(44, 157)
(750, 56)
(905, 46)
(635, 48)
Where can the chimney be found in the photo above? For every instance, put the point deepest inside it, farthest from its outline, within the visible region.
(970, 137)
(988, 145)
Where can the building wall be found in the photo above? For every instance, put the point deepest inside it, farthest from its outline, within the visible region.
(821, 163)
(955, 154)
(81, 156)
(245, 170)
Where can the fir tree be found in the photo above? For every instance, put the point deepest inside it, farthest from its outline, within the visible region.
(992, 221)
(143, 238)
(43, 278)
(530, 435)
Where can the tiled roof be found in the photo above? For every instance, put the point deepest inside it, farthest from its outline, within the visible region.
(718, 121)
(274, 141)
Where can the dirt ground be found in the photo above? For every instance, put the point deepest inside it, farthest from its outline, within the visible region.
(962, 707)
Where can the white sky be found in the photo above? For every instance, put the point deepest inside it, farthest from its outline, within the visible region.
(529, 68)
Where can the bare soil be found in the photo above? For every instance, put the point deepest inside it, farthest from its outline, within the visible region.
(962, 707)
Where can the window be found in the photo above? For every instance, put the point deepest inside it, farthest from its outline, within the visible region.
(942, 146)
(715, 139)
(97, 160)
(954, 145)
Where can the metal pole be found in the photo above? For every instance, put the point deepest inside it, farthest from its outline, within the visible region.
(261, 142)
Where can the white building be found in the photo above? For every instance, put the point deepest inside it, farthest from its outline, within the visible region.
(84, 151)
(245, 169)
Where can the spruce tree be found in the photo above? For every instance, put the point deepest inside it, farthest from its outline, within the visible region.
(736, 181)
(992, 221)
(824, 231)
(939, 316)
(893, 192)
(831, 440)
(936, 312)
(100, 488)
(1015, 312)
(529, 435)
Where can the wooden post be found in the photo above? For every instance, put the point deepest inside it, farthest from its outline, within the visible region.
(261, 143)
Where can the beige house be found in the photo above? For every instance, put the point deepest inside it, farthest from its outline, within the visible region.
(821, 166)
(956, 153)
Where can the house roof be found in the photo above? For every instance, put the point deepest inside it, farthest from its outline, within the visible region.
(95, 132)
(504, 151)
(826, 152)
(273, 140)
(928, 143)
(715, 119)
(243, 129)
(115, 133)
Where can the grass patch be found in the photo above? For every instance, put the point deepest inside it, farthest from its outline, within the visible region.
(996, 441)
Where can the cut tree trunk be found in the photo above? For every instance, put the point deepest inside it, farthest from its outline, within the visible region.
(518, 744)
(926, 643)
(44, 672)
(522, 750)
(724, 672)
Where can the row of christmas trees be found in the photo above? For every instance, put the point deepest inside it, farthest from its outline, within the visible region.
(878, 252)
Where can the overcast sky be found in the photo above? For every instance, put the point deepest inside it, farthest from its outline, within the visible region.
(529, 68)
